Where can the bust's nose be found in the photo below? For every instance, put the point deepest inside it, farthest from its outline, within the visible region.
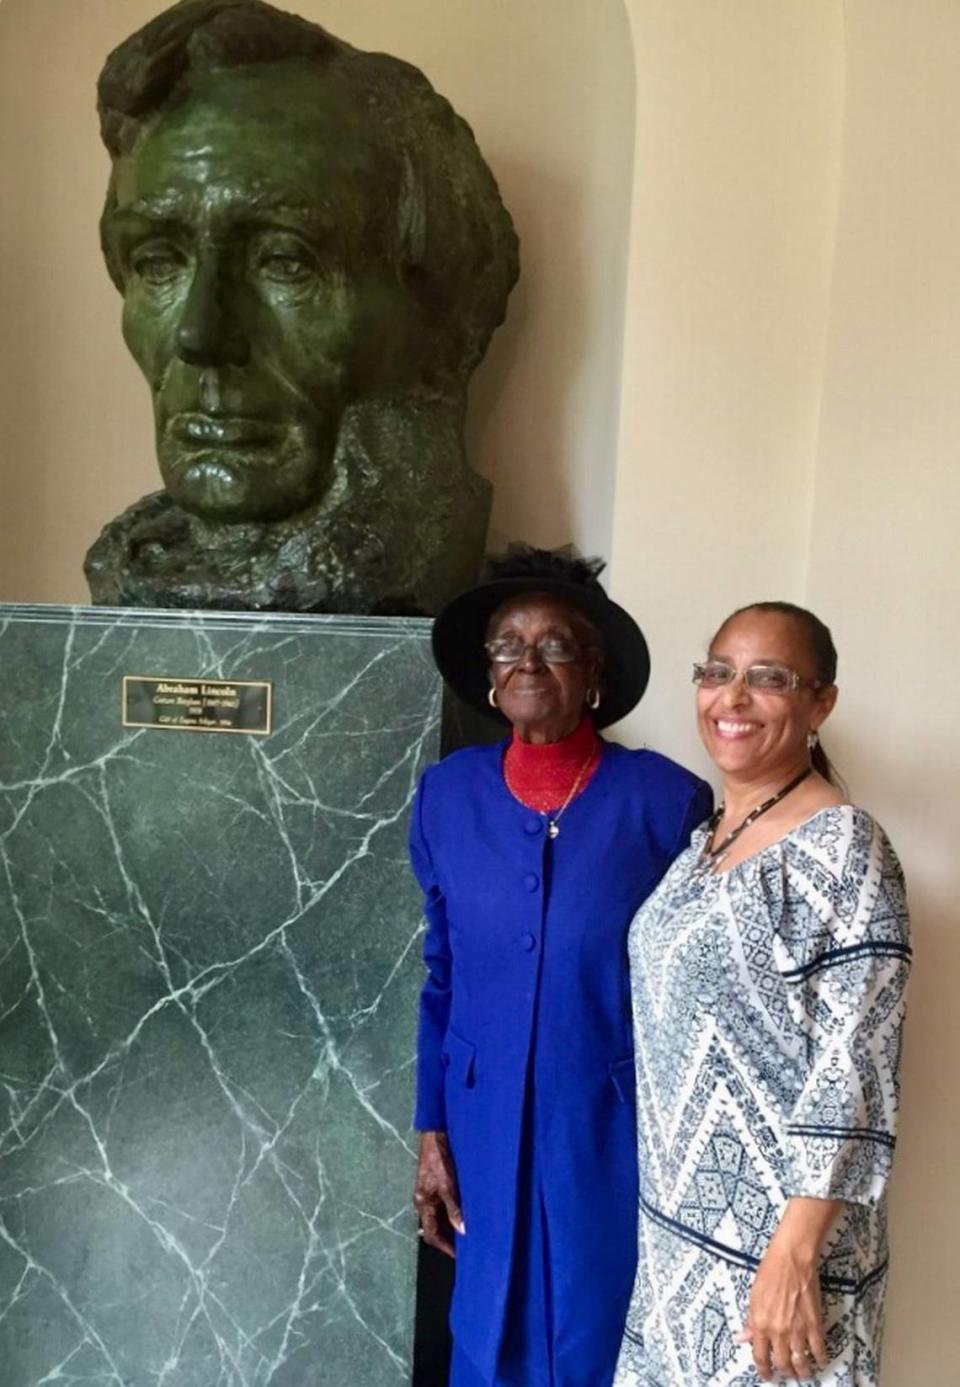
(209, 333)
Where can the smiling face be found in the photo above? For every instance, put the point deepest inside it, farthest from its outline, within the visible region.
(544, 702)
(246, 228)
(756, 736)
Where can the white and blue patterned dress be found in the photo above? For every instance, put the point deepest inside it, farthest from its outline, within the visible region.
(768, 1005)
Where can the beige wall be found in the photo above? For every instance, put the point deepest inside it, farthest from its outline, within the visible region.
(789, 428)
(552, 107)
(884, 562)
(736, 185)
(777, 410)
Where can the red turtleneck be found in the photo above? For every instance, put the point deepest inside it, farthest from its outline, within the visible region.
(541, 776)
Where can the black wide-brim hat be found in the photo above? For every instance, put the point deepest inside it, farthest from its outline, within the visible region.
(460, 630)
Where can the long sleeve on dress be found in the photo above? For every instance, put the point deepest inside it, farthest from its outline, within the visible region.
(430, 1114)
(846, 992)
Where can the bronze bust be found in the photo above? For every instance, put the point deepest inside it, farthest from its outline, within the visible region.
(313, 256)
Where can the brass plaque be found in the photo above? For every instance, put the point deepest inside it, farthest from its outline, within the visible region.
(198, 705)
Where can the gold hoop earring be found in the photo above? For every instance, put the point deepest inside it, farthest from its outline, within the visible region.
(492, 696)
(593, 699)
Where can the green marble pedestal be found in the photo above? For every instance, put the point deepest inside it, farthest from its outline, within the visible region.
(208, 972)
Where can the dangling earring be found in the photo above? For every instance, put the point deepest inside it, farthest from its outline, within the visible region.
(593, 699)
(812, 740)
(492, 696)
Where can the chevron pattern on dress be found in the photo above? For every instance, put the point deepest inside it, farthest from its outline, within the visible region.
(768, 1008)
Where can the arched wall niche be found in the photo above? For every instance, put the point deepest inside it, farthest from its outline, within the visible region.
(552, 105)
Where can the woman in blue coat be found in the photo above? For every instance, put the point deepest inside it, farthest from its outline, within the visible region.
(533, 856)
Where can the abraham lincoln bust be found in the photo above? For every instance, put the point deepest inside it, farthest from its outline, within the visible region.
(313, 256)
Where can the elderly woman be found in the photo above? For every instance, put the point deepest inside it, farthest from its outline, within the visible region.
(533, 855)
(768, 976)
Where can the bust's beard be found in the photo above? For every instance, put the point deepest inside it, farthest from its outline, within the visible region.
(400, 529)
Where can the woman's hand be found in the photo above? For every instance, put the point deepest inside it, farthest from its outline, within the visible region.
(785, 1323)
(436, 1196)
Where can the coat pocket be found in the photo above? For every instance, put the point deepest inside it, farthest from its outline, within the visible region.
(459, 1058)
(623, 1075)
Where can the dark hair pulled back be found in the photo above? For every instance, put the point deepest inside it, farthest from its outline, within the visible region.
(824, 655)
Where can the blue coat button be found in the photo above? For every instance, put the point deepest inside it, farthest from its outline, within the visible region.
(528, 942)
(533, 826)
(531, 881)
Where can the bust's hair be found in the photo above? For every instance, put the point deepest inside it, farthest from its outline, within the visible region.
(452, 242)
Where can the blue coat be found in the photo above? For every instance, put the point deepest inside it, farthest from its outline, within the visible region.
(528, 993)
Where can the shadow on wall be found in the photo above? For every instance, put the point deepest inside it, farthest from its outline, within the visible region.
(544, 418)
(524, 428)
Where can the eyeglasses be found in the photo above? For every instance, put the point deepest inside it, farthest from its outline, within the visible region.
(551, 650)
(775, 679)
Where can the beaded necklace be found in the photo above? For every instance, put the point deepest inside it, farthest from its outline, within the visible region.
(712, 855)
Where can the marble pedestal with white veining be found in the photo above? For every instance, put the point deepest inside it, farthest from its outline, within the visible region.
(208, 972)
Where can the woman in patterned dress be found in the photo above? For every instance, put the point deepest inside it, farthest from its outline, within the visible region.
(768, 972)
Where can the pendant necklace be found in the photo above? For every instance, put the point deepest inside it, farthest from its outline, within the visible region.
(553, 826)
(711, 857)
